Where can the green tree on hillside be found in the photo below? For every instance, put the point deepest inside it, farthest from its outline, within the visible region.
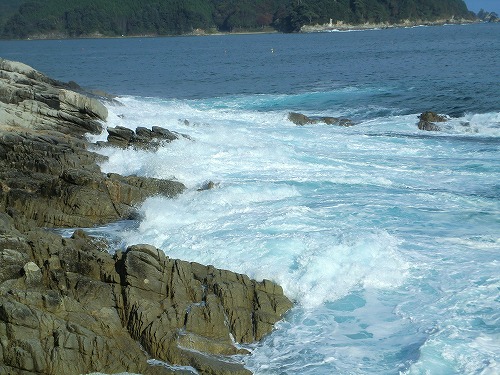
(76, 18)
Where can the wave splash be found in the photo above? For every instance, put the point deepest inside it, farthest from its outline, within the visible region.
(342, 218)
(262, 219)
(265, 232)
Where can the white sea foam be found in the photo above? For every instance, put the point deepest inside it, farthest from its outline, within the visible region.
(484, 124)
(257, 220)
(449, 353)
(339, 218)
(261, 231)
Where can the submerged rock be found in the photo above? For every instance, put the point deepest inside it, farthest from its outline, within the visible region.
(428, 119)
(208, 185)
(301, 119)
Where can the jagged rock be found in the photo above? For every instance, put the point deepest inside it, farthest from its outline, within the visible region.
(301, 119)
(428, 119)
(120, 136)
(32, 274)
(298, 118)
(337, 121)
(191, 304)
(56, 182)
(88, 310)
(66, 305)
(46, 171)
(56, 327)
(142, 138)
(70, 101)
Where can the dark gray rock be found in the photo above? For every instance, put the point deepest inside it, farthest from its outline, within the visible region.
(141, 138)
(427, 121)
(70, 307)
(57, 182)
(301, 119)
(190, 307)
(208, 185)
(47, 172)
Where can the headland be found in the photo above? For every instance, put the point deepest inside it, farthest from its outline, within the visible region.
(78, 305)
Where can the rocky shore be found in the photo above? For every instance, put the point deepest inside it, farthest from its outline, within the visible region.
(342, 26)
(76, 305)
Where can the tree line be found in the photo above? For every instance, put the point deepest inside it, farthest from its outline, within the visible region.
(76, 18)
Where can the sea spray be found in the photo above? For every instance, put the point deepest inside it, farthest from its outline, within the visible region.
(254, 234)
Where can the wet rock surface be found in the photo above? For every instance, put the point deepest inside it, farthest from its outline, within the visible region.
(427, 121)
(67, 306)
(141, 138)
(301, 119)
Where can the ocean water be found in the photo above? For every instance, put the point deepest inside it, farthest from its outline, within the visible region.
(387, 238)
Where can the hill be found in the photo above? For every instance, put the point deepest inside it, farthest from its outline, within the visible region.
(8, 8)
(78, 18)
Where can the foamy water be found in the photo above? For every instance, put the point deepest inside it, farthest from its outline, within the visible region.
(385, 237)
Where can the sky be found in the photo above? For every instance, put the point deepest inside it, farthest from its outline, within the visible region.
(488, 5)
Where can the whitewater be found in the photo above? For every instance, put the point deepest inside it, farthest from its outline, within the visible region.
(386, 237)
(386, 240)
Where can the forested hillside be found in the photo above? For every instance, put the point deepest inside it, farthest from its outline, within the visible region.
(75, 18)
(8, 8)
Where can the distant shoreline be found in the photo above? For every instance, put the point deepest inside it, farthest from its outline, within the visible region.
(135, 36)
(341, 26)
(307, 29)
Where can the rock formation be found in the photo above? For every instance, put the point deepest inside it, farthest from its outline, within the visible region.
(141, 138)
(301, 119)
(427, 121)
(67, 306)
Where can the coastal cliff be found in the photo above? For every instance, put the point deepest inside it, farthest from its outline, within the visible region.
(77, 305)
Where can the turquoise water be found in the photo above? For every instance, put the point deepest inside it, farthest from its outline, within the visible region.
(386, 237)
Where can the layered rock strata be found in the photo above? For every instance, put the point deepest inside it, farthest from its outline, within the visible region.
(67, 306)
